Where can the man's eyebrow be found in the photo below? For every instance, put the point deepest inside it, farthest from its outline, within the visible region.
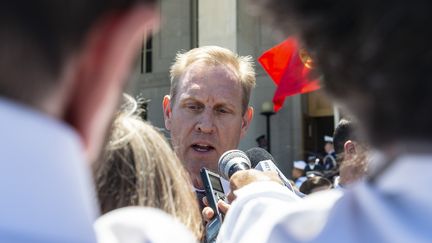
(222, 103)
(228, 105)
(189, 98)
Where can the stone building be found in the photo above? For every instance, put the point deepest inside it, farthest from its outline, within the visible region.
(296, 128)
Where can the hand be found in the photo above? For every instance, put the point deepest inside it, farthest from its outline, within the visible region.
(245, 177)
(208, 212)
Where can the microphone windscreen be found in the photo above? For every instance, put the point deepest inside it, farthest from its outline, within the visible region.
(266, 162)
(230, 158)
(257, 155)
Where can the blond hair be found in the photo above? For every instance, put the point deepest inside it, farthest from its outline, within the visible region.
(139, 167)
(214, 55)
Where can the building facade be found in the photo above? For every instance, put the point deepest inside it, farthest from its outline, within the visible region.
(190, 23)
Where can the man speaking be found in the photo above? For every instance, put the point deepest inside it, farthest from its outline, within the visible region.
(207, 111)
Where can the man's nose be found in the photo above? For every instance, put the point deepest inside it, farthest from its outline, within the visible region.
(205, 123)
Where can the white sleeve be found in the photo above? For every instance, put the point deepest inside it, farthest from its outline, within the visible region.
(255, 211)
(140, 224)
(262, 206)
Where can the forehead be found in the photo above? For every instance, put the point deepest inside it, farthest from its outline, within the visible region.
(210, 81)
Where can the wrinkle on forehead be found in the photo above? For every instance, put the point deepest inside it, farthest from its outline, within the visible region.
(198, 83)
(200, 68)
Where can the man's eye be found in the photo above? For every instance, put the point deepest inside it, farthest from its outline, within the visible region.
(193, 107)
(222, 110)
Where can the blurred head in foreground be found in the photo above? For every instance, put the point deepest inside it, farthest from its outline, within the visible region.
(375, 60)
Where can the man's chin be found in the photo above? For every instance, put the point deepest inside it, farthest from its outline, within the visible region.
(195, 167)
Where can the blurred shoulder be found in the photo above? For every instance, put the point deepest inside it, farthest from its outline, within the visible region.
(140, 224)
(305, 220)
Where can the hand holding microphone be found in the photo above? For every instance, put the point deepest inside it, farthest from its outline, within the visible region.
(264, 161)
(236, 160)
(234, 165)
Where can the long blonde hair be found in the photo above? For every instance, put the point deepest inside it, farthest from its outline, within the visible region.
(138, 167)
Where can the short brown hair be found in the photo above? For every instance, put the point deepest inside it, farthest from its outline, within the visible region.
(215, 55)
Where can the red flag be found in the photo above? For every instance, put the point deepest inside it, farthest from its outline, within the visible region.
(289, 67)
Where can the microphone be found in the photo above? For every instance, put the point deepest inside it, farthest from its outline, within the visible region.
(232, 161)
(264, 161)
(257, 155)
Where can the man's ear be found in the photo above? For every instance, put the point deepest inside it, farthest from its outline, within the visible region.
(99, 69)
(349, 150)
(247, 118)
(166, 105)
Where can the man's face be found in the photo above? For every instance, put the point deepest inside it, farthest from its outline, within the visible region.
(296, 173)
(328, 147)
(206, 117)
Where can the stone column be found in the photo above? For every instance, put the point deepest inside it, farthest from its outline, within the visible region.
(218, 23)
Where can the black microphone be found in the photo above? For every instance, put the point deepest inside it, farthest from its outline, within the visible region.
(232, 161)
(264, 161)
(257, 155)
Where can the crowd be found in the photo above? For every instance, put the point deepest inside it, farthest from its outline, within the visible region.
(345, 162)
(76, 168)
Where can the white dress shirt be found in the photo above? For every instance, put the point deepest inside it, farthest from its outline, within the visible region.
(45, 184)
(396, 208)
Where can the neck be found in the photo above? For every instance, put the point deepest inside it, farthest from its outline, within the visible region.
(386, 155)
(196, 181)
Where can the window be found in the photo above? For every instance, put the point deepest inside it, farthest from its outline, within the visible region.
(194, 23)
(147, 56)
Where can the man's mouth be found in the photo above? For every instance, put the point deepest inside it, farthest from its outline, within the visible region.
(202, 147)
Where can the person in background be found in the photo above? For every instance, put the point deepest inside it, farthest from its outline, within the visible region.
(315, 184)
(298, 172)
(351, 152)
(313, 166)
(329, 160)
(262, 142)
(139, 168)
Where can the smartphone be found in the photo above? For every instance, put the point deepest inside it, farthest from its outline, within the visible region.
(214, 192)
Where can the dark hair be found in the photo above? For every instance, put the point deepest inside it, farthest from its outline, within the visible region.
(36, 37)
(312, 183)
(345, 130)
(375, 57)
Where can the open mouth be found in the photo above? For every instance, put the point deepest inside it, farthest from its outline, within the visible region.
(202, 147)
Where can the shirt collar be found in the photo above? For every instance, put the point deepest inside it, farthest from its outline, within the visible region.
(409, 176)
